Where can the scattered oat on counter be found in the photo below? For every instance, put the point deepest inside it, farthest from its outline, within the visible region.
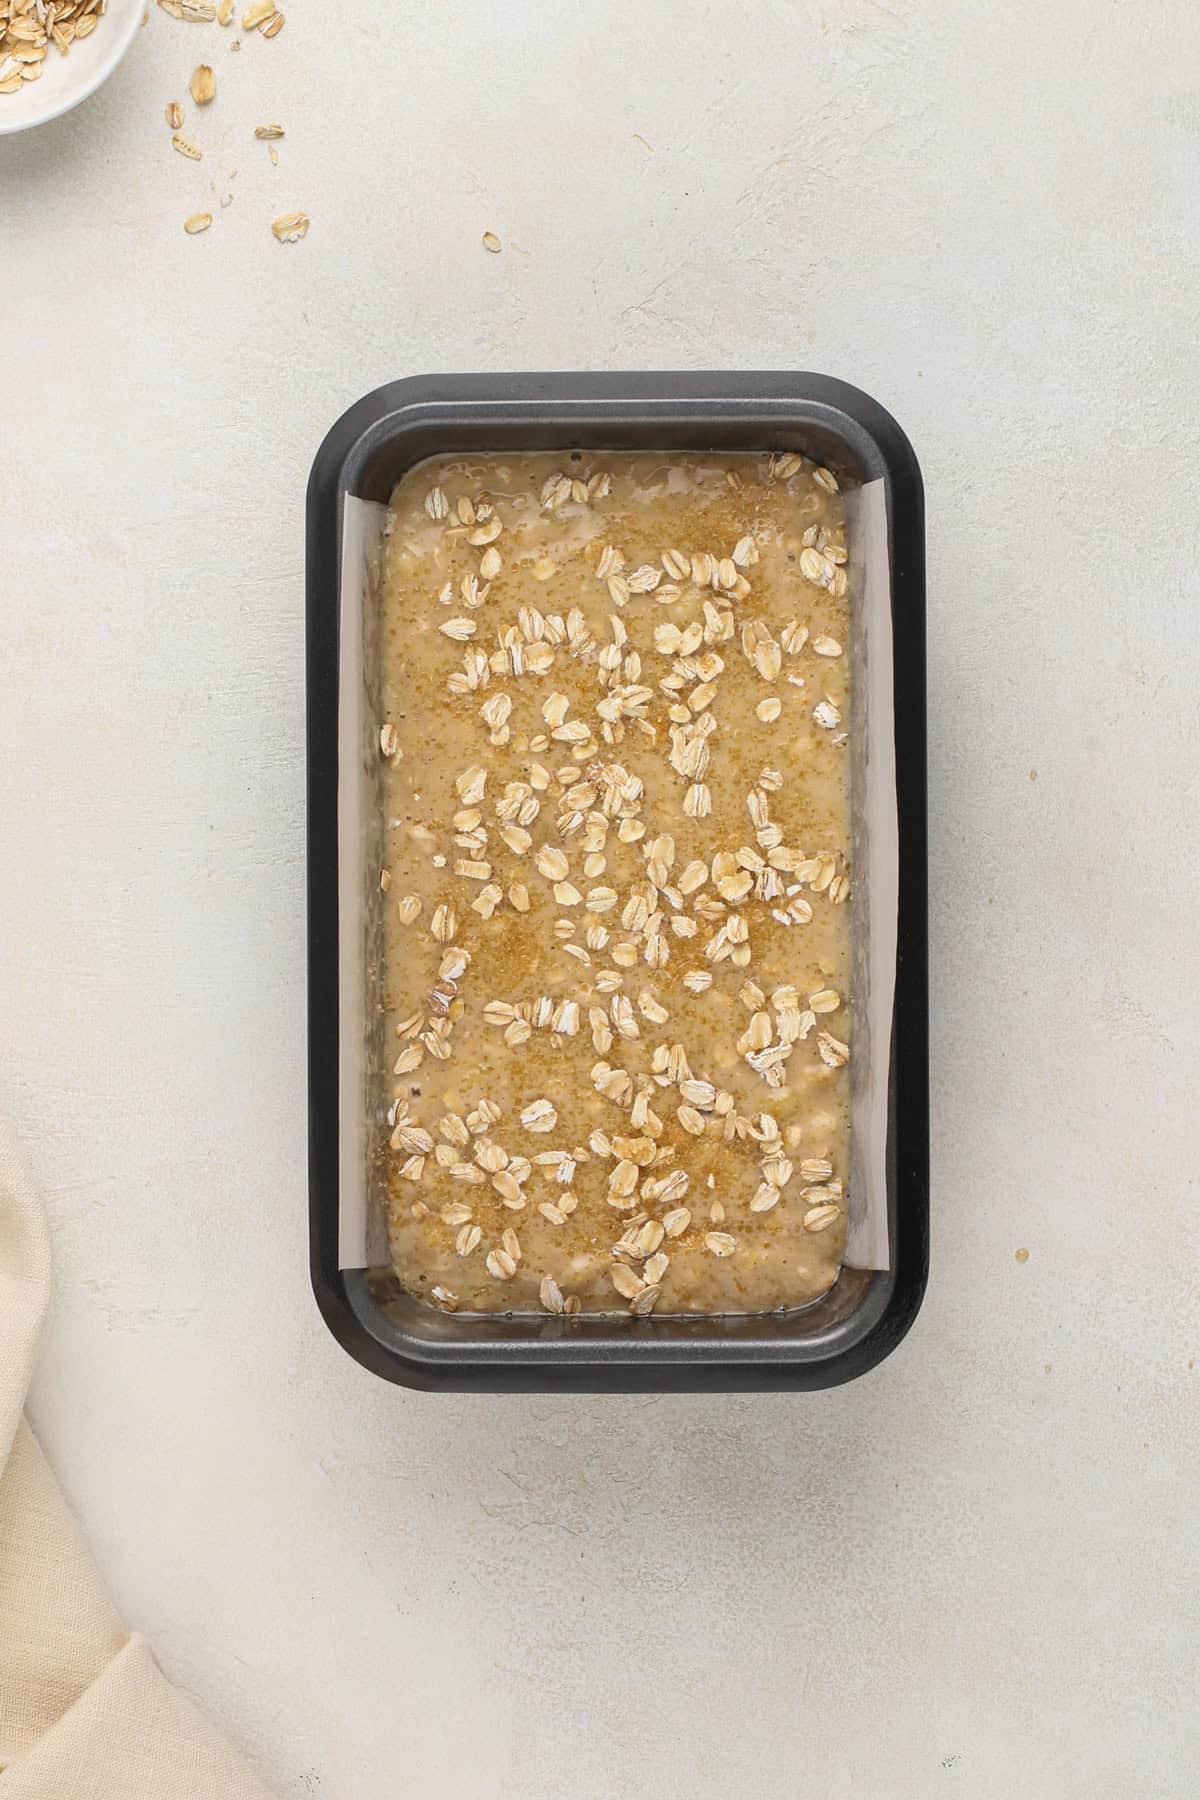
(289, 228)
(194, 12)
(29, 27)
(261, 16)
(492, 242)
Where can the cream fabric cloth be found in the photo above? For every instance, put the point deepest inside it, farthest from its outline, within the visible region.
(85, 1714)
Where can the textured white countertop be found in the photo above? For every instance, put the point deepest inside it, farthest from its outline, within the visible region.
(971, 1573)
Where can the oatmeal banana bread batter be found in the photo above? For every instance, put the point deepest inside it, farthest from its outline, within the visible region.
(615, 705)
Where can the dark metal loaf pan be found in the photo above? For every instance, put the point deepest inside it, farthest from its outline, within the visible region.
(867, 1313)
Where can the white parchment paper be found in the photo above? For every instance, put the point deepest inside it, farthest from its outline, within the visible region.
(361, 1236)
(875, 858)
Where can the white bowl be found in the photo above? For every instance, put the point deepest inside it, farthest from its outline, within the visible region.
(71, 78)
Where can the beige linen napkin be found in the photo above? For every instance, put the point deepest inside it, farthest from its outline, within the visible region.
(85, 1714)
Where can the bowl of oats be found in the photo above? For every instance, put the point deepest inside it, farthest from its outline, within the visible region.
(55, 53)
(617, 915)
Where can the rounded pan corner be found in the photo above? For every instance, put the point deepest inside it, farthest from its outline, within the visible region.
(894, 444)
(349, 427)
(345, 436)
(874, 1331)
(905, 1297)
(344, 1301)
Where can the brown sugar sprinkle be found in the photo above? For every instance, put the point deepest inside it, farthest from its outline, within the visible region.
(612, 746)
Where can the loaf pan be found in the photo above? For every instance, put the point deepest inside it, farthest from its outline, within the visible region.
(870, 1308)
